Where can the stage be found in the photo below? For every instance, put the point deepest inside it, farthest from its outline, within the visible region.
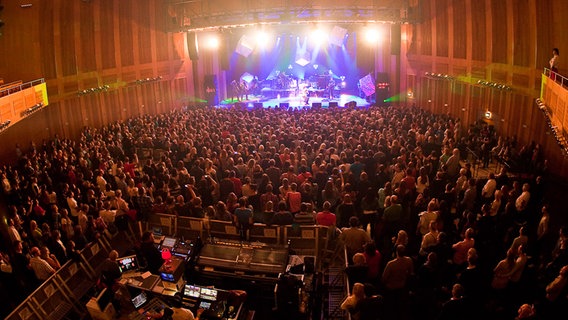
(296, 101)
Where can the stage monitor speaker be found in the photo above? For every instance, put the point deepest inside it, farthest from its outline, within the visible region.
(351, 104)
(395, 39)
(316, 105)
(333, 104)
(284, 105)
(258, 105)
(192, 47)
(240, 105)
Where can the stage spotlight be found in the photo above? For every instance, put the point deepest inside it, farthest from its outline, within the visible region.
(373, 35)
(319, 36)
(212, 42)
(262, 39)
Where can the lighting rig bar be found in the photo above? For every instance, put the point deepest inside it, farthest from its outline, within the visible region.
(279, 16)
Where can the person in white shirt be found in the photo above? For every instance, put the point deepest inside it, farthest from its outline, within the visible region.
(107, 214)
(489, 188)
(554, 60)
(73, 206)
(41, 268)
(13, 232)
(523, 200)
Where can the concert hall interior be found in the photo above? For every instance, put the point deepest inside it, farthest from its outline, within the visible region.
(283, 159)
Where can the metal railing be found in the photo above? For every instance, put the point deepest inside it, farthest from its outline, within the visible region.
(9, 88)
(63, 291)
(556, 76)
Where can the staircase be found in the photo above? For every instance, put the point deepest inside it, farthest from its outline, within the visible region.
(336, 293)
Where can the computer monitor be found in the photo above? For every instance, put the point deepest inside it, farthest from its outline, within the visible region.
(169, 242)
(128, 263)
(208, 294)
(167, 276)
(192, 291)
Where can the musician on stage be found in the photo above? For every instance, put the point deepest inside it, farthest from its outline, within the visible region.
(254, 86)
(244, 90)
(235, 90)
(330, 87)
(305, 94)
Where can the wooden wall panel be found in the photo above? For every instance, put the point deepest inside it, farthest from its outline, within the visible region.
(125, 11)
(107, 35)
(163, 45)
(544, 29)
(442, 28)
(425, 33)
(87, 38)
(499, 76)
(67, 38)
(459, 29)
(520, 80)
(521, 33)
(46, 40)
(499, 24)
(479, 33)
(144, 32)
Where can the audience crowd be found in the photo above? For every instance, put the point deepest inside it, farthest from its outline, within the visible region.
(426, 238)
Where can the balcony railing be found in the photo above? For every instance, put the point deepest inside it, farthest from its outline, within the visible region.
(10, 88)
(556, 77)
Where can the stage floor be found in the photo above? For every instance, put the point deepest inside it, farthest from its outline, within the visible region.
(296, 101)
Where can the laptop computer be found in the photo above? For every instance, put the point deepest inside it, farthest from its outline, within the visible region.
(169, 242)
(158, 236)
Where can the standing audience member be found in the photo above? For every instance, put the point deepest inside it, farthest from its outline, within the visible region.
(351, 302)
(396, 279)
(41, 268)
(354, 238)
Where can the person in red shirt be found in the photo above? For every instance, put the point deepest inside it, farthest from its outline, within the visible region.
(294, 199)
(325, 217)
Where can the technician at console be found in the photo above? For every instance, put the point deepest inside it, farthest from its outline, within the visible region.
(110, 270)
(150, 253)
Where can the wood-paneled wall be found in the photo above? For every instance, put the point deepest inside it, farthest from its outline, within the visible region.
(77, 45)
(503, 41)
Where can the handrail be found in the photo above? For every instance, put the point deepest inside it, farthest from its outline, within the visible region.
(53, 277)
(347, 283)
(555, 76)
(38, 289)
(12, 89)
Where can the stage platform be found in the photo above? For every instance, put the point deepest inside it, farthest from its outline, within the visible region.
(297, 101)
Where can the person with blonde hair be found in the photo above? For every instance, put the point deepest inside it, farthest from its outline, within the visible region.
(350, 303)
(425, 217)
